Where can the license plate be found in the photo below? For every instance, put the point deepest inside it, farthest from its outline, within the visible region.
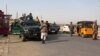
(52, 31)
(34, 34)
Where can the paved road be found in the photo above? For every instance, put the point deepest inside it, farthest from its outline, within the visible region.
(57, 45)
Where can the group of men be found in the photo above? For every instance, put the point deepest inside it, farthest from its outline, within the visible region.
(94, 27)
(44, 26)
(25, 18)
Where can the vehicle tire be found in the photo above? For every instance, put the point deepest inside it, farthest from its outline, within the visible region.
(64, 32)
(39, 37)
(5, 35)
(78, 34)
(20, 36)
(24, 39)
(56, 32)
(83, 36)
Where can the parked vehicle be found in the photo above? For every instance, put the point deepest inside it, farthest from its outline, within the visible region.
(84, 28)
(65, 29)
(54, 28)
(15, 27)
(31, 30)
(4, 23)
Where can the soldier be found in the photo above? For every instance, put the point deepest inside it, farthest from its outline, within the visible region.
(30, 16)
(23, 18)
(95, 30)
(12, 26)
(48, 25)
(71, 29)
(44, 31)
(37, 20)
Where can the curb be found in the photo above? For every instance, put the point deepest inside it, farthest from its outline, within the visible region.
(1, 51)
(5, 47)
(5, 52)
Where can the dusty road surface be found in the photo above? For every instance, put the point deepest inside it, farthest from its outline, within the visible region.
(56, 45)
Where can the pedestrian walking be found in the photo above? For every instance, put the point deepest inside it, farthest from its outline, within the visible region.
(95, 30)
(44, 31)
(71, 26)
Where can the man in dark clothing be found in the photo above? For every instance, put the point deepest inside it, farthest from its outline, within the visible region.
(24, 17)
(48, 27)
(12, 26)
(30, 17)
(71, 29)
(95, 30)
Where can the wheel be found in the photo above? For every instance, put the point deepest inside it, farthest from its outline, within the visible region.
(5, 35)
(39, 37)
(56, 32)
(78, 34)
(83, 36)
(20, 36)
(24, 39)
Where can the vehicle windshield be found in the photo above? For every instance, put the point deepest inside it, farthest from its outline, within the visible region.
(85, 24)
(29, 23)
(54, 25)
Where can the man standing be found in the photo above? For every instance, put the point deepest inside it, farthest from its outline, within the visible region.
(48, 25)
(95, 30)
(44, 31)
(24, 17)
(30, 17)
(71, 29)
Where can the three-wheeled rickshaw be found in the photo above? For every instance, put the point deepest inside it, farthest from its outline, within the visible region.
(84, 28)
(4, 23)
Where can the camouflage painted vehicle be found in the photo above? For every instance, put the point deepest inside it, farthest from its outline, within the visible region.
(31, 30)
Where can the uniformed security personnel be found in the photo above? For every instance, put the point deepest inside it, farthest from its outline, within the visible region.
(71, 26)
(95, 30)
(44, 31)
(48, 25)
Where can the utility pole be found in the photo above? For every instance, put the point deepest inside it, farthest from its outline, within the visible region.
(6, 6)
(6, 9)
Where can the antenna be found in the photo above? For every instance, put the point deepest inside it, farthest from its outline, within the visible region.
(17, 15)
(6, 9)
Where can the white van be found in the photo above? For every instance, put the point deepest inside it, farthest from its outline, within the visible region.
(66, 29)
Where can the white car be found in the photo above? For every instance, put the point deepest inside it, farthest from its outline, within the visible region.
(66, 29)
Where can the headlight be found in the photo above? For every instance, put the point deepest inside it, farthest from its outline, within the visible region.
(25, 30)
(49, 29)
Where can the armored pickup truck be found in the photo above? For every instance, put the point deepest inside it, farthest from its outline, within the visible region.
(31, 30)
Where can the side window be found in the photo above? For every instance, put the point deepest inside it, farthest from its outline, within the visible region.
(0, 17)
(1, 22)
(6, 19)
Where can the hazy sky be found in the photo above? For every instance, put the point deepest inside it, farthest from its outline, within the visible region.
(60, 11)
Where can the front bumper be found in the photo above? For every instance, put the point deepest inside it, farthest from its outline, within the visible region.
(53, 31)
(31, 35)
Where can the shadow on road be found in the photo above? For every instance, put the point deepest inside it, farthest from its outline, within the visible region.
(54, 38)
(55, 41)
